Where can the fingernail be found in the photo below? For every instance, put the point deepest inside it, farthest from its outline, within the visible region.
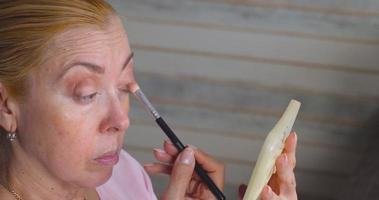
(273, 170)
(160, 151)
(295, 135)
(148, 165)
(186, 157)
(268, 190)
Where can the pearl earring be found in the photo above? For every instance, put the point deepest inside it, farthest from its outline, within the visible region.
(11, 136)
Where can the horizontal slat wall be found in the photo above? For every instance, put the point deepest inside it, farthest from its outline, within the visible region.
(250, 72)
(248, 118)
(245, 150)
(241, 18)
(335, 7)
(304, 53)
(222, 71)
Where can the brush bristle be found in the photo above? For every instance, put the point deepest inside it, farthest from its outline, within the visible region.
(133, 87)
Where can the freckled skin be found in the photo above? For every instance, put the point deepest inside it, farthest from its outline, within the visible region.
(59, 136)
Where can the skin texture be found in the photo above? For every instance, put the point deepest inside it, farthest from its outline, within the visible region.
(71, 117)
(282, 185)
(184, 183)
(76, 113)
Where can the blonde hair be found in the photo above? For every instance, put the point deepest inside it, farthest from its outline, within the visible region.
(26, 29)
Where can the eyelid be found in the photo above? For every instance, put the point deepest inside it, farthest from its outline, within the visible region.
(83, 90)
(86, 99)
(125, 90)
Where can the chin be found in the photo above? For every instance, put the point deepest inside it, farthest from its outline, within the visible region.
(95, 179)
(105, 177)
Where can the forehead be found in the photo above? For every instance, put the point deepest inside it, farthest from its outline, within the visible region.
(104, 46)
(90, 38)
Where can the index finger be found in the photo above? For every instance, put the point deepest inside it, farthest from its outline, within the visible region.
(213, 167)
(290, 148)
(208, 163)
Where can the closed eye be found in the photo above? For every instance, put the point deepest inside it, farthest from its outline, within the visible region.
(85, 99)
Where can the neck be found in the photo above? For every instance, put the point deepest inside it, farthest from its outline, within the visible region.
(29, 178)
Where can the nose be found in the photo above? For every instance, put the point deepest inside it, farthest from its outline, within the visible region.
(117, 118)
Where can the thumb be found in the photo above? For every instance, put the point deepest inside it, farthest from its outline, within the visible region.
(180, 175)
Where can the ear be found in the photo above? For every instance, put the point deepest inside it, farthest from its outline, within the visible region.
(7, 110)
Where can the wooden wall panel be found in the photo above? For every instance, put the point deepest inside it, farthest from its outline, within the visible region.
(246, 151)
(242, 18)
(256, 74)
(334, 7)
(248, 97)
(298, 52)
(222, 71)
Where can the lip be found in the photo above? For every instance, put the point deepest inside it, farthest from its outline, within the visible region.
(109, 158)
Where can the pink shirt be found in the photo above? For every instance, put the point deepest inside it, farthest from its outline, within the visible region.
(129, 181)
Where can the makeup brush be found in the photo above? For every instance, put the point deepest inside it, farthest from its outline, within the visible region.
(135, 89)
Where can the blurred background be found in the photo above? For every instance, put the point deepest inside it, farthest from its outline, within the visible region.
(221, 72)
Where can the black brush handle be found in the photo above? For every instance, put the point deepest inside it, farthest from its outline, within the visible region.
(198, 169)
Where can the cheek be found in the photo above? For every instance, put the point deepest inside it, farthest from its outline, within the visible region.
(125, 103)
(74, 133)
(64, 140)
(57, 133)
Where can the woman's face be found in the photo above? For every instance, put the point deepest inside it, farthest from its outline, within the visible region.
(75, 114)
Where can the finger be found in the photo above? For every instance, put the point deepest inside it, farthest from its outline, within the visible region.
(274, 183)
(268, 194)
(287, 182)
(215, 169)
(199, 190)
(203, 158)
(200, 156)
(170, 148)
(290, 148)
(181, 175)
(157, 168)
(163, 156)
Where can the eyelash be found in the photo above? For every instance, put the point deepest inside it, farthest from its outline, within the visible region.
(126, 91)
(89, 98)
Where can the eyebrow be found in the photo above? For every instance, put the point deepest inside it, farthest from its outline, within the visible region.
(94, 67)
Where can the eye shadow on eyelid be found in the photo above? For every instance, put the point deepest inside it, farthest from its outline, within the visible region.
(70, 84)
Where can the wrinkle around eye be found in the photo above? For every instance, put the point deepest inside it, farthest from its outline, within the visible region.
(86, 99)
(84, 90)
(81, 89)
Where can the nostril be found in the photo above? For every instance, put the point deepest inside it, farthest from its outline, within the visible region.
(116, 119)
(120, 125)
(123, 121)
